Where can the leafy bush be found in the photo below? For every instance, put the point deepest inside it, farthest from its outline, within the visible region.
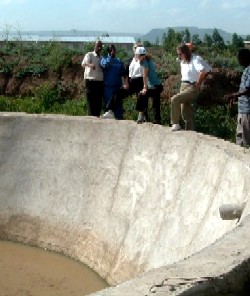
(216, 121)
(50, 94)
(170, 63)
(58, 58)
(223, 62)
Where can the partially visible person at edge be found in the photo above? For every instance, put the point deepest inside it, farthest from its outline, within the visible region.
(193, 71)
(243, 98)
(133, 84)
(93, 76)
(114, 72)
(152, 87)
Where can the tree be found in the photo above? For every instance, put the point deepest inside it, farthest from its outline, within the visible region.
(218, 41)
(147, 43)
(171, 40)
(186, 36)
(157, 40)
(196, 39)
(207, 40)
(237, 42)
(164, 36)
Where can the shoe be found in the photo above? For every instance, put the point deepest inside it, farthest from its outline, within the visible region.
(108, 115)
(175, 127)
(141, 118)
(156, 121)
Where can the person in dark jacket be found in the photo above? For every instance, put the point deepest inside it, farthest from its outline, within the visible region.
(133, 84)
(114, 73)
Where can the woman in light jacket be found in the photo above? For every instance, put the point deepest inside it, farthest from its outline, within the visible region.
(193, 71)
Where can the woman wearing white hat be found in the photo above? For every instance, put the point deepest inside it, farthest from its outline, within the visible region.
(152, 87)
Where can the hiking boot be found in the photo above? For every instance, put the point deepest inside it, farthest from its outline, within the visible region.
(175, 127)
(156, 121)
(108, 115)
(141, 118)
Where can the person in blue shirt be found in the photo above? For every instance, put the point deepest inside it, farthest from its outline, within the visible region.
(152, 87)
(133, 84)
(113, 71)
(243, 97)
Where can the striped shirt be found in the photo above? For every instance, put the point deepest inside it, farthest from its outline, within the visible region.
(244, 101)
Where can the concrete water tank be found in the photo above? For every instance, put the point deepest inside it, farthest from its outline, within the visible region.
(139, 204)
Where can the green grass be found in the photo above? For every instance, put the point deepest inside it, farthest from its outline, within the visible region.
(35, 105)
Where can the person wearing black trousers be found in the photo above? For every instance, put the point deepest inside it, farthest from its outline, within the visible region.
(152, 87)
(93, 76)
(133, 85)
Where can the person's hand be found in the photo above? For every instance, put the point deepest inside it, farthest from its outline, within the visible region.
(92, 66)
(197, 86)
(143, 91)
(126, 85)
(231, 98)
(233, 101)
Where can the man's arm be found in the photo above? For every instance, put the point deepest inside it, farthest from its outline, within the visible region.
(105, 61)
(145, 80)
(202, 76)
(232, 98)
(87, 62)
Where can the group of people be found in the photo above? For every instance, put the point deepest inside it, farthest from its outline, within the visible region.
(108, 79)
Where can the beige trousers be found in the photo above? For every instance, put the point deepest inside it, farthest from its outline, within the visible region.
(182, 104)
(243, 130)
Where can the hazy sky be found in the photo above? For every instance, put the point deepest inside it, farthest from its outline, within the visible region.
(124, 16)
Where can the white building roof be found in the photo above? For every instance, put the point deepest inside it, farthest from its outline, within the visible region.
(37, 38)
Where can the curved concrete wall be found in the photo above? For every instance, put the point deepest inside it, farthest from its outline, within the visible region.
(123, 198)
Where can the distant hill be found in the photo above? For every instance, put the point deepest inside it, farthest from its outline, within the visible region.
(153, 34)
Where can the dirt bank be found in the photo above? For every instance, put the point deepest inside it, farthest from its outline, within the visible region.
(71, 82)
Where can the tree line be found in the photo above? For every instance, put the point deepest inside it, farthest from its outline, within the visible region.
(172, 38)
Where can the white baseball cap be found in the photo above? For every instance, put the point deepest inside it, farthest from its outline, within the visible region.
(140, 50)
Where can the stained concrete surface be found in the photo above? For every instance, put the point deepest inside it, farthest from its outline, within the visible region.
(137, 203)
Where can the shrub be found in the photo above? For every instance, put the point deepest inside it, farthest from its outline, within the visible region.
(50, 94)
(217, 121)
(58, 57)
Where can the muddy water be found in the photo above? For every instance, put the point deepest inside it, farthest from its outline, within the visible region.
(30, 271)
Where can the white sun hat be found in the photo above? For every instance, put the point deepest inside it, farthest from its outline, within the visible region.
(140, 50)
